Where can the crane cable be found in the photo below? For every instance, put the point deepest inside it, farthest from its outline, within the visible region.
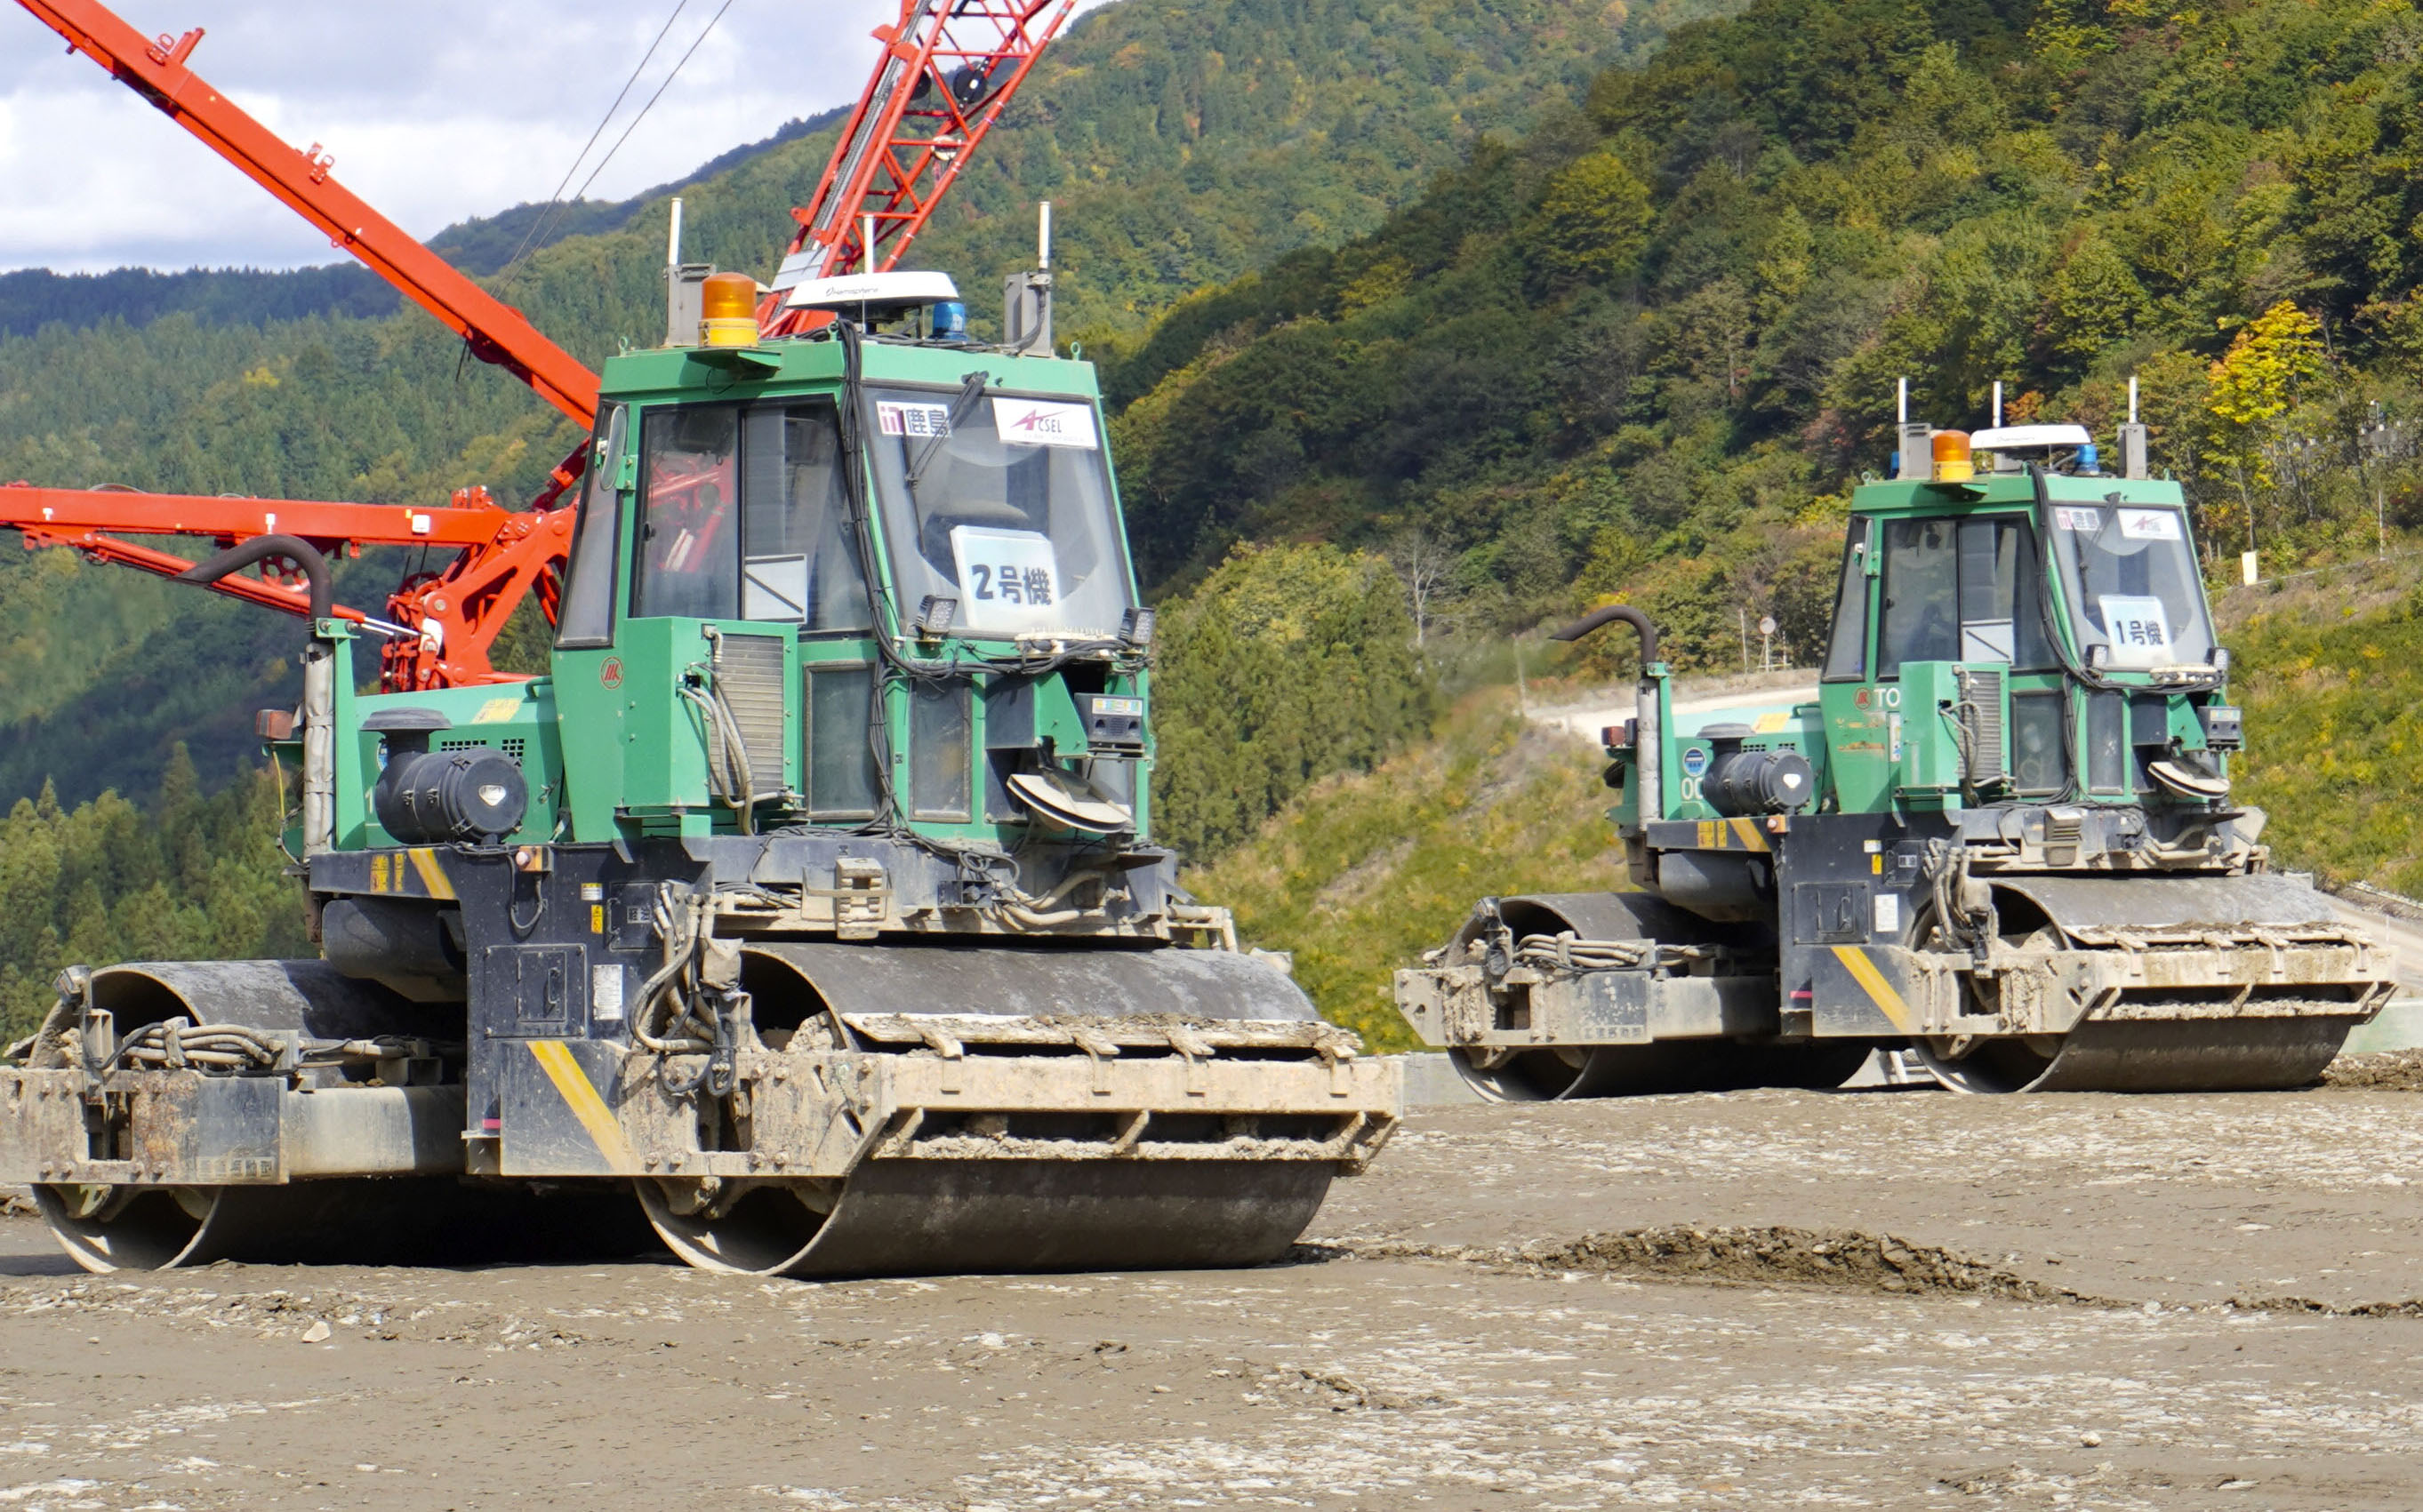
(535, 238)
(703, 36)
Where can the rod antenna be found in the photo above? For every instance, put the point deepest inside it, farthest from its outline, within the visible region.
(672, 237)
(1043, 235)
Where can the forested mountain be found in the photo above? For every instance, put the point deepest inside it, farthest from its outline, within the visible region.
(1184, 141)
(32, 298)
(1646, 349)
(184, 879)
(1638, 340)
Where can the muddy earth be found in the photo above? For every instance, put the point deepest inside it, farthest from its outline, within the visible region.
(1758, 1299)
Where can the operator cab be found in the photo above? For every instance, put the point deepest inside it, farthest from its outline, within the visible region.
(2031, 631)
(879, 573)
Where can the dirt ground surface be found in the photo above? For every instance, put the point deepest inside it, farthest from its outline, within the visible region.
(1757, 1300)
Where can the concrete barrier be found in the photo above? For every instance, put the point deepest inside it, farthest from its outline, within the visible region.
(2398, 1028)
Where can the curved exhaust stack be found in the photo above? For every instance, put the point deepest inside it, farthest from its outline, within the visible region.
(319, 674)
(1649, 698)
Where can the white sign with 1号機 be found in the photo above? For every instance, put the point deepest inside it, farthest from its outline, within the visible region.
(1009, 580)
(2141, 636)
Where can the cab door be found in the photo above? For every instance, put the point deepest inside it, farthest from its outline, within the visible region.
(1858, 766)
(1917, 695)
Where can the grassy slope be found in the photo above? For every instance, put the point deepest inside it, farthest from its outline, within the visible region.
(2329, 670)
(1363, 873)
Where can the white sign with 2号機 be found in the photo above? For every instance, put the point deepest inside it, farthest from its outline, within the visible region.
(1009, 580)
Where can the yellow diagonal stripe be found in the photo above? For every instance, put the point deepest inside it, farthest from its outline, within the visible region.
(1747, 832)
(1872, 980)
(432, 876)
(555, 1058)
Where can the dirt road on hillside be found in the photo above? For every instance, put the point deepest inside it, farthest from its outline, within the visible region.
(1928, 1300)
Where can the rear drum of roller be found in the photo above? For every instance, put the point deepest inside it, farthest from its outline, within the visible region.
(1569, 1073)
(404, 1221)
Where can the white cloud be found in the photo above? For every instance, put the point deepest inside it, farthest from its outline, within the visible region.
(435, 110)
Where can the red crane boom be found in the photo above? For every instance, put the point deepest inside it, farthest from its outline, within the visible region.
(156, 71)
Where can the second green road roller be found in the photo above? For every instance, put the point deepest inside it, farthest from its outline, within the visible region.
(2003, 834)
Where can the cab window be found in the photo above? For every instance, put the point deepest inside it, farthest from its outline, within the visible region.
(688, 557)
(1962, 590)
(1003, 504)
(587, 618)
(743, 516)
(1846, 650)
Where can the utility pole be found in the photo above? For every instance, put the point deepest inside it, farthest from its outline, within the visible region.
(2383, 440)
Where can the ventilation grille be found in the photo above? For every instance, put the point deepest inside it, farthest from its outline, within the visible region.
(512, 749)
(1981, 724)
(749, 674)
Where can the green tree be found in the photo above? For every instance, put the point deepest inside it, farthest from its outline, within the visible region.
(2250, 388)
(100, 884)
(1594, 221)
(1288, 663)
(2091, 301)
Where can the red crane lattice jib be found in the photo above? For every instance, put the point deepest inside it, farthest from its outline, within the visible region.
(68, 511)
(97, 546)
(461, 610)
(947, 68)
(156, 70)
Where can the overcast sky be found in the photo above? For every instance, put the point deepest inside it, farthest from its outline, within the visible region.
(436, 109)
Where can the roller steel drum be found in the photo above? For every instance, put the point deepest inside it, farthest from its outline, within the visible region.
(898, 1217)
(1561, 1073)
(2257, 1052)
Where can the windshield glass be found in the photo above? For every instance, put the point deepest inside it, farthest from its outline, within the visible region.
(1003, 504)
(2133, 585)
(587, 618)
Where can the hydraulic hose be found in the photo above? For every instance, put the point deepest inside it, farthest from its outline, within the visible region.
(319, 688)
(1648, 733)
(293, 548)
